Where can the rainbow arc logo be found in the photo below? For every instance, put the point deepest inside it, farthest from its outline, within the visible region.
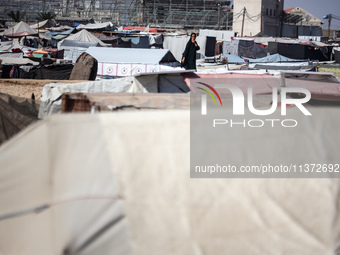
(209, 93)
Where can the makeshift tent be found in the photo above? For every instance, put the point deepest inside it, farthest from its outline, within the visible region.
(19, 30)
(300, 51)
(119, 184)
(147, 83)
(337, 55)
(73, 49)
(84, 36)
(275, 58)
(125, 62)
(231, 48)
(15, 115)
(87, 102)
(220, 35)
(95, 26)
(17, 61)
(61, 28)
(39, 24)
(49, 72)
(176, 44)
(64, 33)
(85, 68)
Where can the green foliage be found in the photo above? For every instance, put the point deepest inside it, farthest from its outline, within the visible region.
(17, 16)
(46, 15)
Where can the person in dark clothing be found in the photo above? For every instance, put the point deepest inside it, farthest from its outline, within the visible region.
(189, 54)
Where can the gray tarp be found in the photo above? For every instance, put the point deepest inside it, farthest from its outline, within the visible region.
(84, 36)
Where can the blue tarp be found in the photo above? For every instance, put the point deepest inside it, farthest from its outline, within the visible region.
(233, 59)
(275, 58)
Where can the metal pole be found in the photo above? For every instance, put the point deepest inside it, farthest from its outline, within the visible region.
(147, 7)
(219, 15)
(142, 16)
(154, 12)
(170, 12)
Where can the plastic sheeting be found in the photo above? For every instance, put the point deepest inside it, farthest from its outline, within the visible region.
(15, 115)
(220, 35)
(84, 36)
(90, 197)
(39, 24)
(95, 26)
(231, 48)
(246, 49)
(275, 58)
(177, 45)
(51, 93)
(131, 56)
(260, 52)
(73, 49)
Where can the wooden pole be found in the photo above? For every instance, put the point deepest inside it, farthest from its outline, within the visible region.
(244, 13)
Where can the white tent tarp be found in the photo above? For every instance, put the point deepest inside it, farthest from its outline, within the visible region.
(95, 26)
(19, 30)
(119, 183)
(52, 92)
(84, 36)
(39, 24)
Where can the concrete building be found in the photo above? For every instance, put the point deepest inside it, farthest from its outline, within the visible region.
(253, 17)
(298, 22)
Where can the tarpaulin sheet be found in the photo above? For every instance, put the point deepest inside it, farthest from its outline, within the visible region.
(95, 26)
(246, 49)
(51, 93)
(177, 45)
(91, 198)
(15, 115)
(19, 30)
(231, 48)
(131, 56)
(84, 36)
(275, 58)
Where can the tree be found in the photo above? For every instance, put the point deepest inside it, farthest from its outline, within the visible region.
(17, 16)
(46, 15)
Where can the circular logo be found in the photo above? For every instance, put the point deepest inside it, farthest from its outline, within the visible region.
(124, 70)
(109, 70)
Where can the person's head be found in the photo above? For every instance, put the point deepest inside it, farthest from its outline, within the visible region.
(193, 37)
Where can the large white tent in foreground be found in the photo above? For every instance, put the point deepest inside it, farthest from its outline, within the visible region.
(119, 183)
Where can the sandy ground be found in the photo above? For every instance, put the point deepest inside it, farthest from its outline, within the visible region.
(25, 88)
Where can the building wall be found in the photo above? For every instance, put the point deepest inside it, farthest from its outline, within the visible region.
(295, 31)
(272, 10)
(263, 17)
(253, 7)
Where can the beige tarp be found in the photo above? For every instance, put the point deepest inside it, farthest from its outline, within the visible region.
(119, 184)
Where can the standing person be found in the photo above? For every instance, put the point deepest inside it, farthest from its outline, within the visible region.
(189, 54)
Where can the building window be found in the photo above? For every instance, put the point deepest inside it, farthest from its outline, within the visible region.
(270, 12)
(267, 12)
(274, 13)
